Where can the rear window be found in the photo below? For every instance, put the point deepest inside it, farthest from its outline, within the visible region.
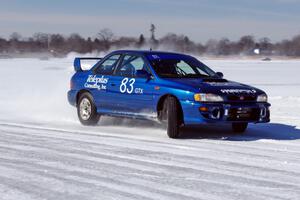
(108, 66)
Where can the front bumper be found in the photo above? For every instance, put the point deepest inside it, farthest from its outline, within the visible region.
(225, 112)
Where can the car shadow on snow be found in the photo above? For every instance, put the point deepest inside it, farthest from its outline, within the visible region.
(271, 131)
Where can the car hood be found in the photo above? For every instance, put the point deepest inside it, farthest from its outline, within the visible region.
(217, 86)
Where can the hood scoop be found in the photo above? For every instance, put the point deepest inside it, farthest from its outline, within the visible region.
(214, 80)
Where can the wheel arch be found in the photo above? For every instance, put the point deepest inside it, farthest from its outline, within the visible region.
(160, 104)
(80, 92)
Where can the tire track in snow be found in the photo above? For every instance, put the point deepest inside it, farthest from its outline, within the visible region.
(210, 149)
(187, 169)
(189, 161)
(172, 189)
(263, 146)
(71, 176)
(232, 163)
(36, 190)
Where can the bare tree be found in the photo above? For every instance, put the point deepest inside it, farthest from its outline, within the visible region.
(211, 47)
(60, 45)
(42, 39)
(15, 45)
(224, 47)
(76, 43)
(247, 44)
(265, 46)
(295, 47)
(3, 45)
(141, 41)
(106, 36)
(125, 42)
(15, 36)
(57, 44)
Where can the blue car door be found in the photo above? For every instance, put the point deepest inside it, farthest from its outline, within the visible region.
(100, 82)
(134, 93)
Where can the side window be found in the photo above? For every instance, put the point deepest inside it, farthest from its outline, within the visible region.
(130, 65)
(185, 68)
(108, 66)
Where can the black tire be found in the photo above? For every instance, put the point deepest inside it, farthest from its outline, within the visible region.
(171, 112)
(93, 117)
(239, 127)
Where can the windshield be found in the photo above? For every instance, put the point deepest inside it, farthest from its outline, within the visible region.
(180, 67)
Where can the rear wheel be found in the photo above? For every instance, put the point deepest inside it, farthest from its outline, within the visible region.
(239, 127)
(86, 110)
(171, 117)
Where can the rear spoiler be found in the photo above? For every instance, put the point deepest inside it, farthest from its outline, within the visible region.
(77, 62)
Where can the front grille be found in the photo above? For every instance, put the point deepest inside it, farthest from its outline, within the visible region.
(241, 97)
(241, 114)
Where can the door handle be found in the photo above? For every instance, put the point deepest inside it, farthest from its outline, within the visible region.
(113, 84)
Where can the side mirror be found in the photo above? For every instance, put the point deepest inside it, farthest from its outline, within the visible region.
(220, 74)
(143, 74)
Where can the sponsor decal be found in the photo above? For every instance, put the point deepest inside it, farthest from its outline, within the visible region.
(234, 91)
(95, 82)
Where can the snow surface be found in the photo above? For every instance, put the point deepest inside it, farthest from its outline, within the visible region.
(46, 154)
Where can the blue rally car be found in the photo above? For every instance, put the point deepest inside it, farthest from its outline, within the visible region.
(174, 89)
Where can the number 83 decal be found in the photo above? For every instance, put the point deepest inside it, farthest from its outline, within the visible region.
(127, 85)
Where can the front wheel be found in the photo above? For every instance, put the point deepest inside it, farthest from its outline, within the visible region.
(239, 127)
(86, 110)
(171, 115)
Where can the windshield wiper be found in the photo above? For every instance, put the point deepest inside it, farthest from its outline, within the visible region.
(196, 76)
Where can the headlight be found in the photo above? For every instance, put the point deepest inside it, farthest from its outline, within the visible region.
(262, 98)
(202, 97)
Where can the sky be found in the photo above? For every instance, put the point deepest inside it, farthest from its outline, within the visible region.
(198, 19)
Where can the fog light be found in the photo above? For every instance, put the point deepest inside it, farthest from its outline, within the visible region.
(203, 109)
(263, 112)
(215, 113)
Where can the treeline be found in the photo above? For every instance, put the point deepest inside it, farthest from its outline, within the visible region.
(60, 45)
